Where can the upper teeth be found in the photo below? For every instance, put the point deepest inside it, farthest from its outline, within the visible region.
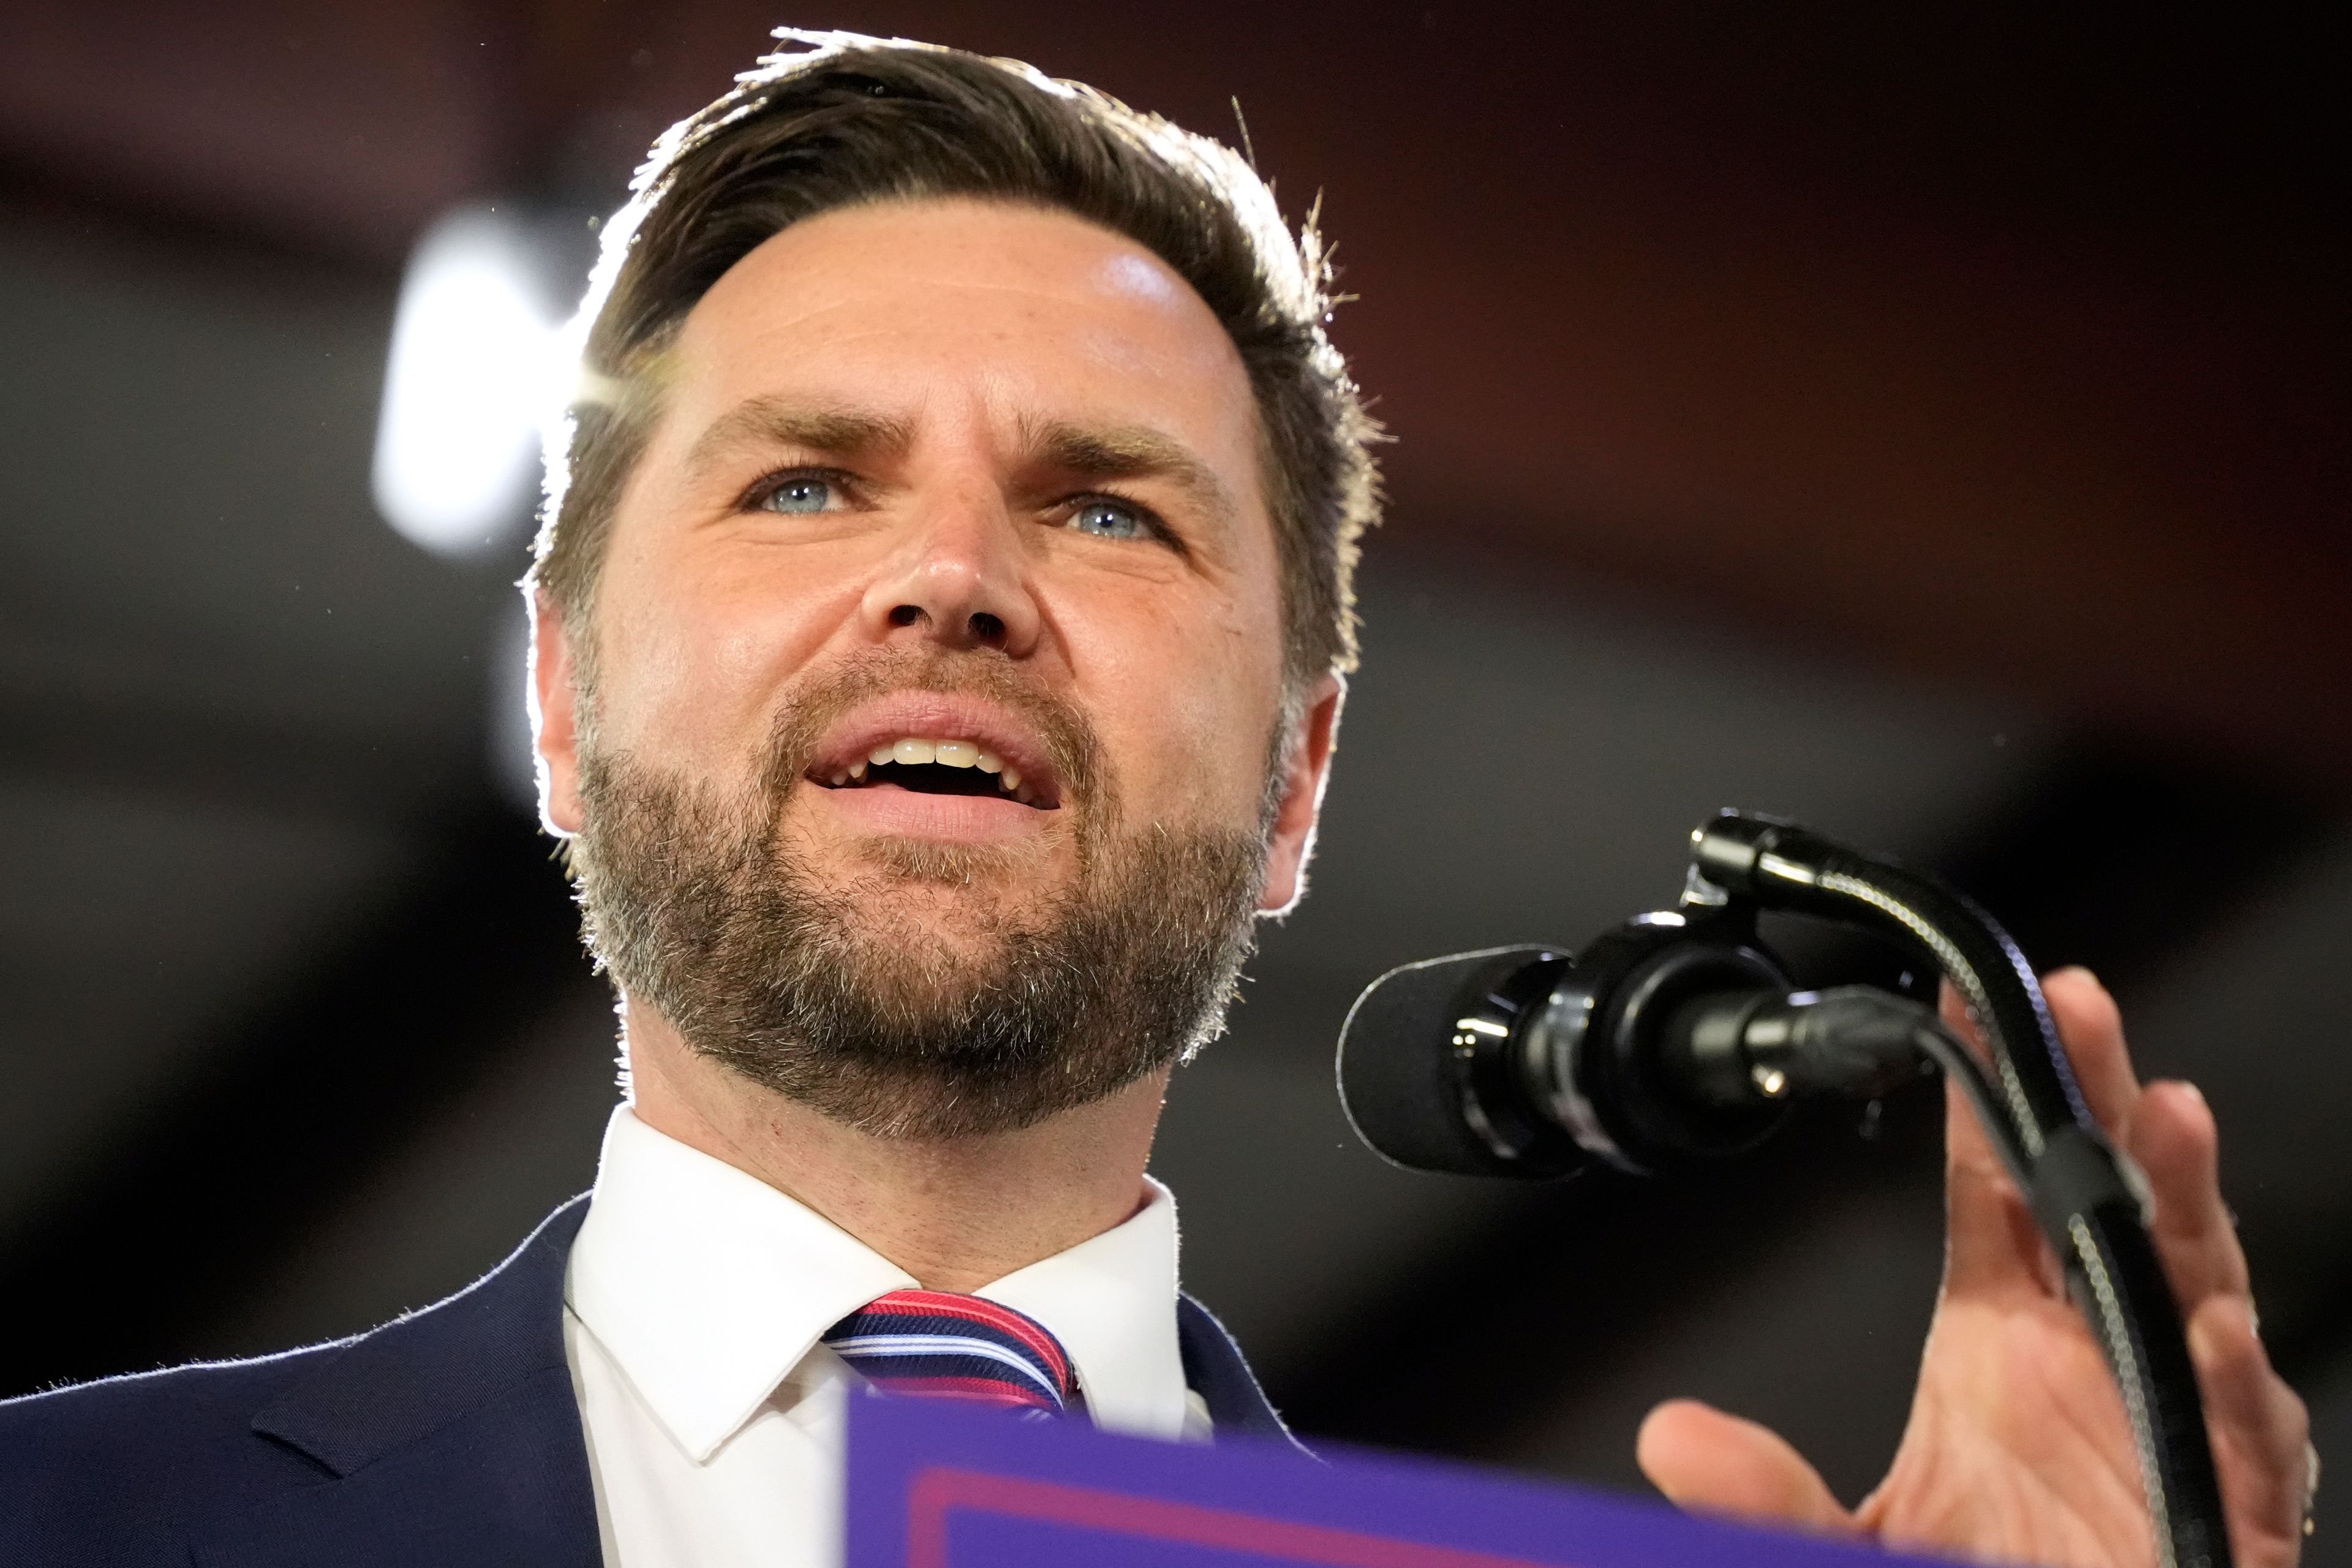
(915, 749)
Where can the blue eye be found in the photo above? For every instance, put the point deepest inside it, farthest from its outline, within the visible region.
(800, 495)
(1109, 520)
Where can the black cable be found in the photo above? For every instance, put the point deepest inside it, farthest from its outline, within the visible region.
(1959, 1066)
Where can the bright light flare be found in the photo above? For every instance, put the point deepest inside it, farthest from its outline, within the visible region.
(475, 367)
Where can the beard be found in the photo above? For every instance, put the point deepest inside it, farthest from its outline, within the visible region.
(902, 999)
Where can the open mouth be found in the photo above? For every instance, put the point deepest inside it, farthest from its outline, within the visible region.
(928, 766)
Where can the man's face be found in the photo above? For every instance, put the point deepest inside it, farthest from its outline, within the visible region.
(962, 481)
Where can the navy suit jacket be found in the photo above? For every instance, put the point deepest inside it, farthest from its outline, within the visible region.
(450, 1437)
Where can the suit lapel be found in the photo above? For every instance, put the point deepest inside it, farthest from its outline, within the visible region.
(1215, 1370)
(450, 1437)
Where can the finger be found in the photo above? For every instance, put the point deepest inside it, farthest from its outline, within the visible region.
(1957, 1016)
(1703, 1459)
(1967, 1152)
(2093, 1030)
(2174, 1139)
(1993, 1249)
(2259, 1430)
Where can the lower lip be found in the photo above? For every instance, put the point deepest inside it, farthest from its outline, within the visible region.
(885, 809)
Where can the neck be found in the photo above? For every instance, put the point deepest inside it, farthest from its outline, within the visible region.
(955, 1213)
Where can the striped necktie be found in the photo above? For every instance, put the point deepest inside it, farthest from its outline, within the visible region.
(956, 1347)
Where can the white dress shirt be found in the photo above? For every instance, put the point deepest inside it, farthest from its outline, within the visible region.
(693, 1303)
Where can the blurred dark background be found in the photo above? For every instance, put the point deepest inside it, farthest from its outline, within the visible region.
(1926, 422)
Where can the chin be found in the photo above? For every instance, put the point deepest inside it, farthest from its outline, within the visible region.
(903, 863)
(944, 902)
(983, 888)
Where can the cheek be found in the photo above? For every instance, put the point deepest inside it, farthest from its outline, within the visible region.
(697, 659)
(1186, 701)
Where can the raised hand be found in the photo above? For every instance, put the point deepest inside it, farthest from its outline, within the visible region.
(2017, 1445)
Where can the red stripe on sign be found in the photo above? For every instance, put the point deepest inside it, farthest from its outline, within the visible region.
(937, 1491)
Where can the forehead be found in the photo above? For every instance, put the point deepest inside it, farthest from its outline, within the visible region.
(940, 307)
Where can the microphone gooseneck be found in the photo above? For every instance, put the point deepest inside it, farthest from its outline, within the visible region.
(1675, 1040)
(2090, 1202)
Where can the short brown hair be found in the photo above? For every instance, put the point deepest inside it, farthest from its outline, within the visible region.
(849, 120)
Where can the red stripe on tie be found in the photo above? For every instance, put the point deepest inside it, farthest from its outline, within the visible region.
(978, 1310)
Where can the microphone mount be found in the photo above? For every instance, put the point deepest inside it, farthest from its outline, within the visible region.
(1675, 1040)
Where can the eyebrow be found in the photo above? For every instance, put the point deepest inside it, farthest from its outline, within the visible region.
(1128, 452)
(1084, 452)
(850, 434)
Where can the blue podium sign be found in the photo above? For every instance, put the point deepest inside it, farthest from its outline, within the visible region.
(936, 1486)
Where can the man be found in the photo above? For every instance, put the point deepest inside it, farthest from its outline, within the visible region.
(940, 637)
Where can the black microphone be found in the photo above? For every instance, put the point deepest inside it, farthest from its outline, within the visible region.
(1675, 1040)
(1669, 1043)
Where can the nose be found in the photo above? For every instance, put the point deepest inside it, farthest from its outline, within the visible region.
(959, 581)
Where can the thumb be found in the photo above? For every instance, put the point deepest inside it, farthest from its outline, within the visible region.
(1705, 1460)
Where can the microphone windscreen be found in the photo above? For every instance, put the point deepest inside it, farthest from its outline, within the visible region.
(1399, 1079)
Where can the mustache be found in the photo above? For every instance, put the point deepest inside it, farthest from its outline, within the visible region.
(822, 700)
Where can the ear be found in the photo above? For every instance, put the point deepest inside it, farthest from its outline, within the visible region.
(1307, 772)
(554, 718)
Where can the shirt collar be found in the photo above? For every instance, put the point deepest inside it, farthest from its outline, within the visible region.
(708, 1287)
(1112, 1303)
